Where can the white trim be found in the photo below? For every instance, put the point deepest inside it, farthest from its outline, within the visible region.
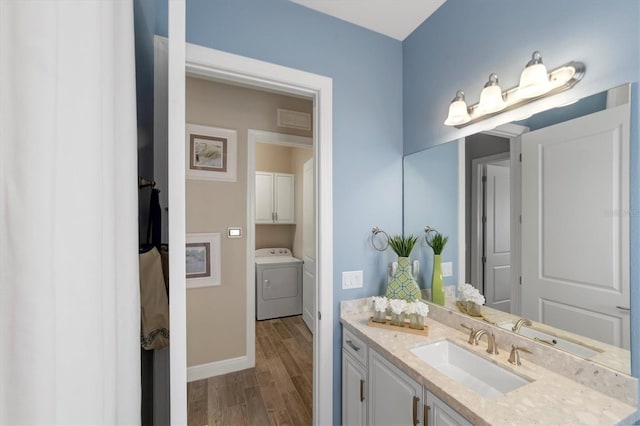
(176, 188)
(273, 138)
(217, 368)
(210, 63)
(462, 240)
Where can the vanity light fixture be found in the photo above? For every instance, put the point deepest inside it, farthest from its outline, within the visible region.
(534, 80)
(535, 83)
(491, 96)
(458, 113)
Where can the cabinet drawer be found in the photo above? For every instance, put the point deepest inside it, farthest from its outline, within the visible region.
(354, 346)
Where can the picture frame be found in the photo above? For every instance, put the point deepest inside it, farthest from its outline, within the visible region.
(210, 153)
(202, 260)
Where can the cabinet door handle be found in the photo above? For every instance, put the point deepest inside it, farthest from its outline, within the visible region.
(273, 217)
(415, 410)
(354, 347)
(361, 390)
(425, 415)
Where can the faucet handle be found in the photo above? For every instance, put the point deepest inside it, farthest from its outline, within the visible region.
(472, 333)
(514, 356)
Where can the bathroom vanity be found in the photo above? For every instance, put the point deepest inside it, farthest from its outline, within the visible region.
(392, 377)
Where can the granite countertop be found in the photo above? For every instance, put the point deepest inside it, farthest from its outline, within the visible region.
(550, 398)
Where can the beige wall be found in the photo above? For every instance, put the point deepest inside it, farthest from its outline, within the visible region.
(216, 316)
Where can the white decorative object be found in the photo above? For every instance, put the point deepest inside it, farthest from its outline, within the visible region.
(210, 153)
(417, 312)
(468, 293)
(202, 257)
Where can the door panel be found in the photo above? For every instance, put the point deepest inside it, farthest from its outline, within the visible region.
(497, 240)
(575, 226)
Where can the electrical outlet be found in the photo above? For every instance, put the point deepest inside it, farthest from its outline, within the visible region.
(447, 269)
(352, 279)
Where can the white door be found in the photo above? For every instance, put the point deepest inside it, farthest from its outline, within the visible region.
(497, 237)
(575, 225)
(308, 245)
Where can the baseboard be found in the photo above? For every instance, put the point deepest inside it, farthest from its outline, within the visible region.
(217, 368)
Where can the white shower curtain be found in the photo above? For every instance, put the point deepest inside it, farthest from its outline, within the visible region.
(69, 296)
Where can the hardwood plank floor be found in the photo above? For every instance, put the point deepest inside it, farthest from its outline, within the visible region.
(278, 391)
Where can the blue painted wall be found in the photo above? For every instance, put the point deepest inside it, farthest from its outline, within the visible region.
(366, 69)
(428, 176)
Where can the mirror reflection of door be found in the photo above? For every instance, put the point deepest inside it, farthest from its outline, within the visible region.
(575, 226)
(497, 236)
(488, 192)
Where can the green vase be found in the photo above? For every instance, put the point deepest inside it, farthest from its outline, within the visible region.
(437, 283)
(402, 284)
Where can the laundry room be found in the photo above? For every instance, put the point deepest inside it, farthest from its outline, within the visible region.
(250, 193)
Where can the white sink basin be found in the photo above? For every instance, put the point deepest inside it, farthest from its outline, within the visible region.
(551, 340)
(469, 369)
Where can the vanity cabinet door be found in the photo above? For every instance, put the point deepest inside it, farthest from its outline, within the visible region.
(394, 397)
(354, 389)
(440, 414)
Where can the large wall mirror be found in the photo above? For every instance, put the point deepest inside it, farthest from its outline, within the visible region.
(537, 215)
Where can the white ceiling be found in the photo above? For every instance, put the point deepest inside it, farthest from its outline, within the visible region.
(394, 18)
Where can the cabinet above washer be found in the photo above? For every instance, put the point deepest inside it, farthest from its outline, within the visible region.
(275, 198)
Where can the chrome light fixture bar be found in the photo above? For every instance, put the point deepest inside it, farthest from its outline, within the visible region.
(533, 86)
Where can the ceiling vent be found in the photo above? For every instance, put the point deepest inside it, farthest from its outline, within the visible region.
(294, 119)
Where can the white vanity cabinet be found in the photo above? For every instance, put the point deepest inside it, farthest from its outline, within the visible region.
(354, 380)
(376, 392)
(394, 397)
(275, 198)
(440, 414)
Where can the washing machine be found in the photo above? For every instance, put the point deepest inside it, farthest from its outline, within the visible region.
(278, 283)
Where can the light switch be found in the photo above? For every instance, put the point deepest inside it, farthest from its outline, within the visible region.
(447, 269)
(352, 279)
(234, 232)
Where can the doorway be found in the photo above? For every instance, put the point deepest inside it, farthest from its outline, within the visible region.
(212, 64)
(490, 230)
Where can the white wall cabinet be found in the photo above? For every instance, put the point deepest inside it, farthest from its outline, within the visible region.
(275, 198)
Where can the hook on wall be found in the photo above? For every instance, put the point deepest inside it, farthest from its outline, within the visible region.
(382, 246)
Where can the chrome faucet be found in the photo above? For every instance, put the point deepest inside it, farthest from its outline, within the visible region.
(514, 356)
(492, 347)
(520, 323)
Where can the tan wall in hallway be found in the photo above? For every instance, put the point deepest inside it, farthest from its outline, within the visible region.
(216, 316)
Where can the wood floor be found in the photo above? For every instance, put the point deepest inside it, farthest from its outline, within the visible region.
(278, 391)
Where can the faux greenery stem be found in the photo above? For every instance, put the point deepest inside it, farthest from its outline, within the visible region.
(402, 245)
(437, 242)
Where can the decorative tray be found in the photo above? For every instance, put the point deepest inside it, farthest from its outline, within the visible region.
(465, 311)
(405, 329)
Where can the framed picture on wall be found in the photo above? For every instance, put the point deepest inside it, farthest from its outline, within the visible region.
(202, 260)
(210, 153)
